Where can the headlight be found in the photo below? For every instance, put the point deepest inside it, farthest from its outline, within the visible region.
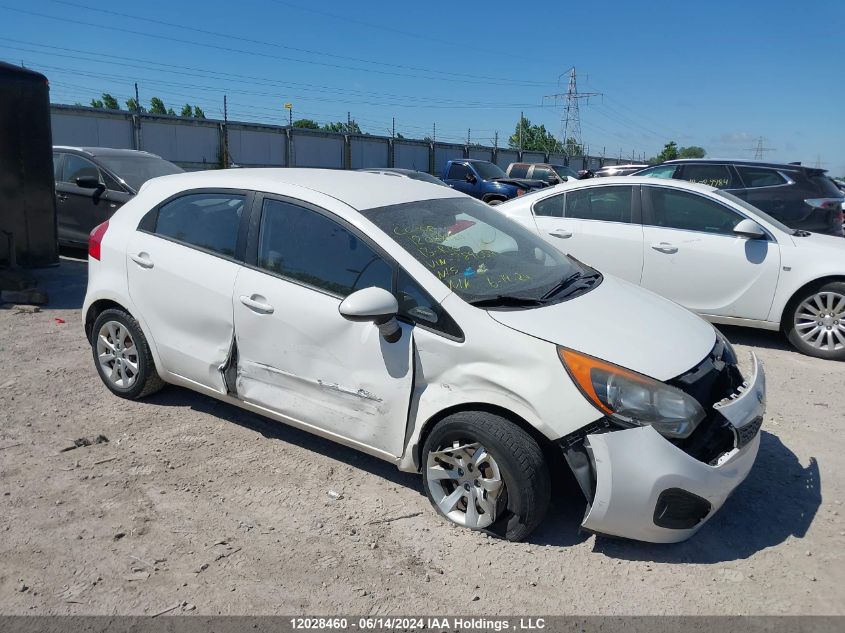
(632, 399)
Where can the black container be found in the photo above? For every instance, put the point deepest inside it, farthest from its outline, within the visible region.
(27, 187)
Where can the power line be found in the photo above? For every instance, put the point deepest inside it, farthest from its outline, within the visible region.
(471, 79)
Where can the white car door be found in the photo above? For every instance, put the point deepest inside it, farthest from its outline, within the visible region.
(693, 257)
(181, 271)
(297, 356)
(598, 225)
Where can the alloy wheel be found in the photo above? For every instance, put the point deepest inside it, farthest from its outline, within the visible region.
(117, 354)
(820, 321)
(465, 483)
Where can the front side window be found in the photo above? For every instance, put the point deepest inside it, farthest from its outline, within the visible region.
(206, 220)
(542, 173)
(606, 204)
(760, 177)
(660, 171)
(565, 172)
(309, 247)
(457, 171)
(57, 167)
(78, 167)
(714, 175)
(480, 254)
(688, 211)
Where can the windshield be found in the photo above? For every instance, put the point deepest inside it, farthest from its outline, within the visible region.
(565, 172)
(755, 211)
(489, 171)
(479, 253)
(136, 170)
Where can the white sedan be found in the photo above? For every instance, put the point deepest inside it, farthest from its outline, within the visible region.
(417, 324)
(703, 248)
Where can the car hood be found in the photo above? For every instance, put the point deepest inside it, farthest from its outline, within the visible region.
(621, 323)
(832, 243)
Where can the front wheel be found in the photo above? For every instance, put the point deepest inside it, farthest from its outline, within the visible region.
(815, 321)
(483, 472)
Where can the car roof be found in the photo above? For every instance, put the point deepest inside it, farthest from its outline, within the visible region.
(621, 180)
(359, 189)
(742, 161)
(105, 151)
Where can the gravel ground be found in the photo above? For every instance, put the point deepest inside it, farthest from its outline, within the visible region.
(201, 507)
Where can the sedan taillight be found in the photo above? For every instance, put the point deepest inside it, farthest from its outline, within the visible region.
(95, 239)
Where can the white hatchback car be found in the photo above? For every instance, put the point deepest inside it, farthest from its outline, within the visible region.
(703, 248)
(421, 326)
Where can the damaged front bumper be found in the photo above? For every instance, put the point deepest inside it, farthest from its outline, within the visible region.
(644, 487)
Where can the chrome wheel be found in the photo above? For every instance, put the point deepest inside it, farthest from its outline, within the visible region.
(465, 483)
(820, 321)
(117, 355)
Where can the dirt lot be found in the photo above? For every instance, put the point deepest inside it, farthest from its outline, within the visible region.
(198, 505)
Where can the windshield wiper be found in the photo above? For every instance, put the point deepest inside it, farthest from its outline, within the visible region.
(504, 301)
(583, 281)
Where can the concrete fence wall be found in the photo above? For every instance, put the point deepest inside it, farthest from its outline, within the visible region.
(200, 143)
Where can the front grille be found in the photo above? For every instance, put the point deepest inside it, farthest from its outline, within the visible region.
(745, 434)
(712, 380)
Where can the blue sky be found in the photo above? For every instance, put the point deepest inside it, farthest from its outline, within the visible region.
(716, 74)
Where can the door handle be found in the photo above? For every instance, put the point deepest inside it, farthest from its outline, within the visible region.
(142, 259)
(561, 233)
(256, 306)
(665, 247)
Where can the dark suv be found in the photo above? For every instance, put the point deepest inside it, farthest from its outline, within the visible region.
(800, 197)
(92, 182)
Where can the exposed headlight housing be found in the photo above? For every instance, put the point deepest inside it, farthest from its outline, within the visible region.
(632, 399)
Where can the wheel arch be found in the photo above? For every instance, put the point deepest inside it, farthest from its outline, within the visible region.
(818, 282)
(550, 450)
(489, 197)
(96, 309)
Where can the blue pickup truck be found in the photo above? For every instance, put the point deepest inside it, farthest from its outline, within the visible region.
(483, 180)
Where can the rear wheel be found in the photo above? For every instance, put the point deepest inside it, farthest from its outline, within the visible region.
(483, 472)
(815, 321)
(122, 356)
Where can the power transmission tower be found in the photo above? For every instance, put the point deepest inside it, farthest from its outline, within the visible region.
(570, 120)
(758, 151)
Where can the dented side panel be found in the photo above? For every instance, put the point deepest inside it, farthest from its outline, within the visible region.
(307, 363)
(185, 301)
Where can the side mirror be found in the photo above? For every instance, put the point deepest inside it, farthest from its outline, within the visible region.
(471, 177)
(89, 182)
(376, 305)
(750, 229)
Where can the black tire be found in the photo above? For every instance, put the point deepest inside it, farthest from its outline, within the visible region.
(494, 202)
(147, 380)
(520, 459)
(789, 321)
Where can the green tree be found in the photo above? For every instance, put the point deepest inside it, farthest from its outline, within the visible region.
(306, 124)
(693, 151)
(198, 113)
(171, 112)
(109, 102)
(187, 110)
(534, 138)
(157, 106)
(344, 128)
(670, 152)
(399, 135)
(97, 103)
(132, 105)
(573, 148)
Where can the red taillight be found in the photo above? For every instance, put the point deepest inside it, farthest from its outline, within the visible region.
(95, 239)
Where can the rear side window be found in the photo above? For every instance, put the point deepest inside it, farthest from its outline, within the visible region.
(78, 167)
(551, 207)
(759, 177)
(457, 172)
(309, 247)
(714, 175)
(825, 186)
(518, 171)
(607, 204)
(682, 210)
(206, 220)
